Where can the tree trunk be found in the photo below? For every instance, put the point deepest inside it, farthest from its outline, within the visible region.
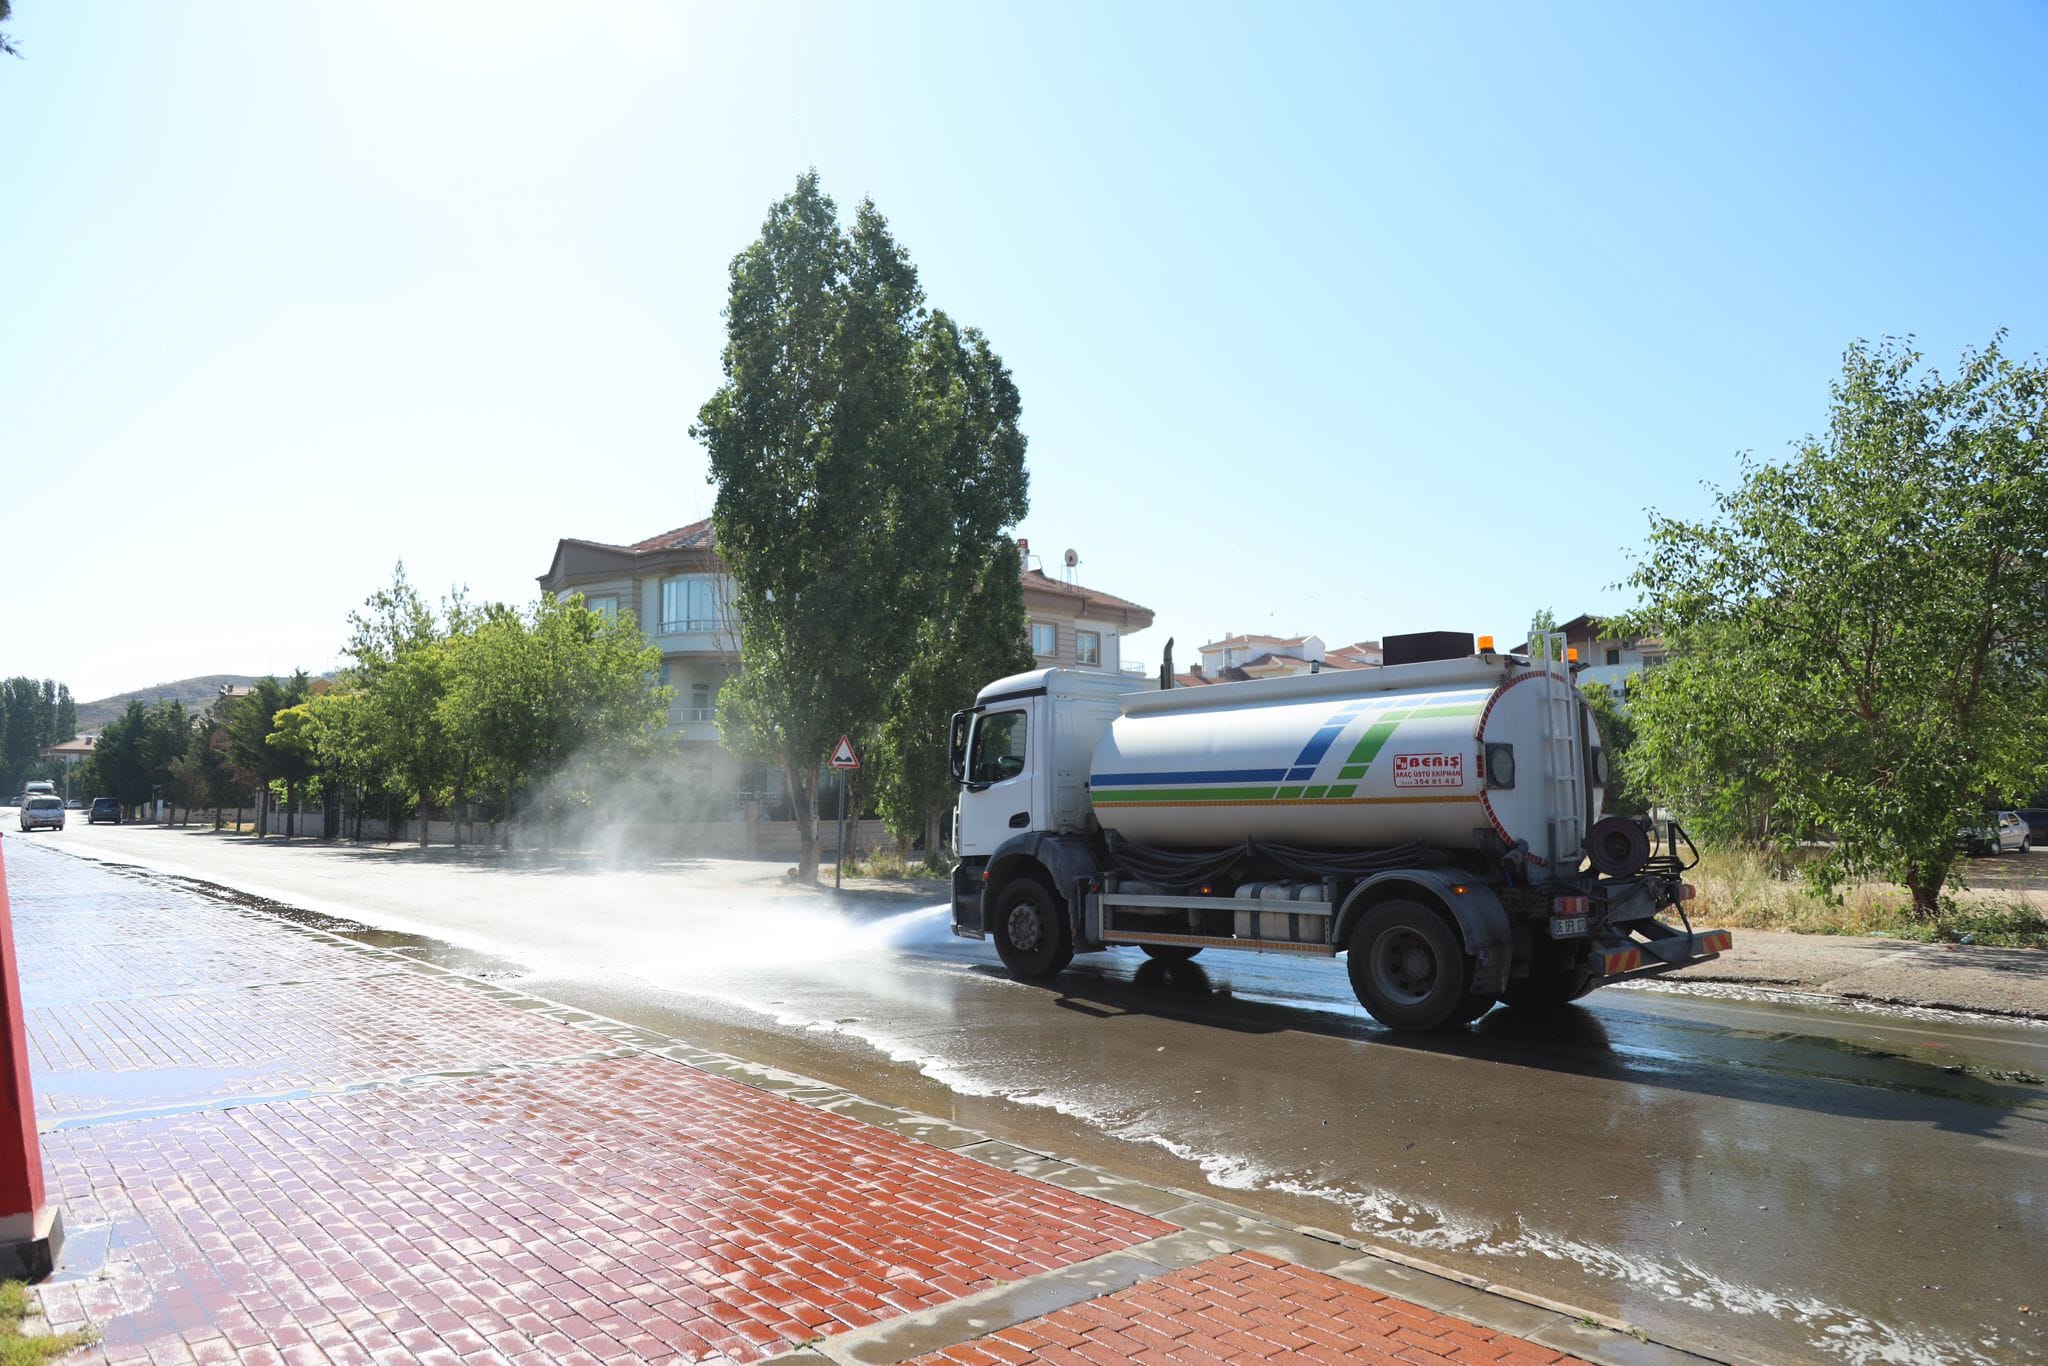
(423, 822)
(934, 836)
(803, 801)
(1925, 884)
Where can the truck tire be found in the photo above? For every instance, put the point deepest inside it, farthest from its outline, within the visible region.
(1032, 936)
(1409, 969)
(1171, 953)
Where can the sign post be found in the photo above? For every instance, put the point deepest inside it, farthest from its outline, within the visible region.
(843, 758)
(31, 1230)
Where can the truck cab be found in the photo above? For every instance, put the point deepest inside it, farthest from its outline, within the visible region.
(1020, 755)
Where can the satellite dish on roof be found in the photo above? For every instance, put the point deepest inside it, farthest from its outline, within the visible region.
(1072, 558)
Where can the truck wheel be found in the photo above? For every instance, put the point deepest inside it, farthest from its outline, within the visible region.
(1032, 936)
(1171, 953)
(1549, 985)
(1408, 968)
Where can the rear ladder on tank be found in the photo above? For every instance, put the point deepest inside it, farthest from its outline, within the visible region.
(1563, 773)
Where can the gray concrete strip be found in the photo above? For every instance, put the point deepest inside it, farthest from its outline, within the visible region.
(1583, 1339)
(993, 1310)
(1405, 1282)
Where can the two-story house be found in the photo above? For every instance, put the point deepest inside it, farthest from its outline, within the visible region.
(679, 589)
(1073, 627)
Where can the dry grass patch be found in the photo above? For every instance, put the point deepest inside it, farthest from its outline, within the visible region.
(1759, 889)
(18, 1348)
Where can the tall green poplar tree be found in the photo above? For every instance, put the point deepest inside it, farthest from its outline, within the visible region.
(833, 506)
(977, 629)
(1859, 637)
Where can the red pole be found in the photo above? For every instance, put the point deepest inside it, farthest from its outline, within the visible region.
(31, 1229)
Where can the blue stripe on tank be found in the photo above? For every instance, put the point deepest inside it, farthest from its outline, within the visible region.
(1214, 775)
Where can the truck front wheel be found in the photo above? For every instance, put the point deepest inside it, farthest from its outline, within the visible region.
(1032, 936)
(1408, 968)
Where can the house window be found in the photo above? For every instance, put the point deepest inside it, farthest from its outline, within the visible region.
(1614, 656)
(1088, 647)
(606, 607)
(700, 702)
(1044, 639)
(664, 673)
(1652, 661)
(689, 602)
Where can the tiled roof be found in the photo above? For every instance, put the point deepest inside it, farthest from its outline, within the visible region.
(1230, 641)
(695, 536)
(1037, 582)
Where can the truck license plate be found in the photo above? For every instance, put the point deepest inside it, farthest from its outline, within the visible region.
(1565, 926)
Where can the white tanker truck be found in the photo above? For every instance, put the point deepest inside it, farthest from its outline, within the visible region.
(1438, 820)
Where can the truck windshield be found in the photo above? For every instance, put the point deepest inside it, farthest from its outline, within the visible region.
(998, 748)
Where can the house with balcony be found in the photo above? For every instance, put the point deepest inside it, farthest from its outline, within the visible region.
(1073, 627)
(678, 587)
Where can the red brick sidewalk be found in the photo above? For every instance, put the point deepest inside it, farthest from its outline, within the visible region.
(271, 1145)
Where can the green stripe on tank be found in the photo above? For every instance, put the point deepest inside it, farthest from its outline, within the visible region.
(1376, 737)
(1343, 789)
(1467, 709)
(1315, 793)
(1353, 771)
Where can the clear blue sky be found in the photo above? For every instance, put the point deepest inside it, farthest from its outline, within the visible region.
(1352, 320)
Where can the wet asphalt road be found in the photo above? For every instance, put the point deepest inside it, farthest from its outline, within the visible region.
(1766, 1180)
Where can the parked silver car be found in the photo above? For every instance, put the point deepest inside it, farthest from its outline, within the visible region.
(2000, 832)
(42, 813)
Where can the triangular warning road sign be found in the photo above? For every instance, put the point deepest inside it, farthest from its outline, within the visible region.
(843, 755)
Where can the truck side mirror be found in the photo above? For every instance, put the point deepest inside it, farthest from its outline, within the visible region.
(956, 746)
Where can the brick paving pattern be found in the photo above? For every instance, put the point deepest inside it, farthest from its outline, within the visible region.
(1239, 1308)
(137, 1053)
(628, 1210)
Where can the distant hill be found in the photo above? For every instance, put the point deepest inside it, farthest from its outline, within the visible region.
(196, 693)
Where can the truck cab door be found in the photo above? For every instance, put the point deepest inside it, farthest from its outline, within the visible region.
(997, 796)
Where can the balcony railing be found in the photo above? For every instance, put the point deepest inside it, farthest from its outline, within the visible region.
(669, 628)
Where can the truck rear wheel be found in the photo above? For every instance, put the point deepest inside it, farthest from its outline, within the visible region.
(1408, 968)
(1032, 936)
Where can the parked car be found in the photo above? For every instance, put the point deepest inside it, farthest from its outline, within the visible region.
(2036, 818)
(42, 813)
(104, 809)
(2000, 832)
(73, 804)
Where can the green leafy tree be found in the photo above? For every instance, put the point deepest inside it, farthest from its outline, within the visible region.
(7, 44)
(1618, 738)
(34, 714)
(119, 761)
(977, 629)
(252, 720)
(545, 704)
(832, 507)
(1859, 637)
